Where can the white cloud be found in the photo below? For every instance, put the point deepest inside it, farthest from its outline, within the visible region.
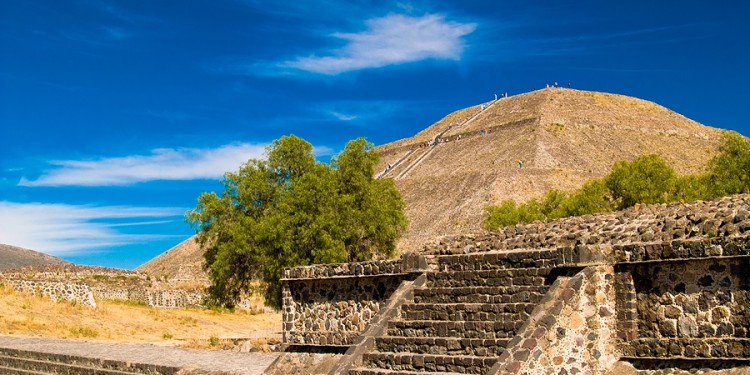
(343, 117)
(161, 164)
(63, 229)
(389, 40)
(322, 151)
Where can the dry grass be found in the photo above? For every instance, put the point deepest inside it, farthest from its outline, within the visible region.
(29, 315)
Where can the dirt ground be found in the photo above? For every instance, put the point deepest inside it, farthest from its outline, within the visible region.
(28, 315)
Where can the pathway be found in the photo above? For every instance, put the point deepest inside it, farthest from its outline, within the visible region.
(240, 363)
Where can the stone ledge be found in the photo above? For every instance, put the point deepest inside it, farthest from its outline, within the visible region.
(405, 265)
(677, 250)
(701, 348)
(330, 338)
(723, 217)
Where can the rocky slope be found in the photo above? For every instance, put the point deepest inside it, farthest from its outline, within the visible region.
(563, 137)
(15, 257)
(182, 263)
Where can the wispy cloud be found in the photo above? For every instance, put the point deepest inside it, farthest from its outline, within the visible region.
(116, 33)
(359, 111)
(390, 40)
(342, 116)
(63, 229)
(100, 36)
(123, 14)
(161, 164)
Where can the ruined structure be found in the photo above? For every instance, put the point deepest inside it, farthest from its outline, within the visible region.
(85, 285)
(660, 289)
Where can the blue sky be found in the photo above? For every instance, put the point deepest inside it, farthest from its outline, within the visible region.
(116, 115)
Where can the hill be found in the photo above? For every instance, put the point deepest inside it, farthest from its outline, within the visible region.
(15, 257)
(182, 263)
(563, 137)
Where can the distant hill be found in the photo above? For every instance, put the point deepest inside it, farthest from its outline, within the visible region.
(182, 263)
(15, 257)
(563, 137)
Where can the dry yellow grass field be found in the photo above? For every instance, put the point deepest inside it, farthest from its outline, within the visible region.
(28, 315)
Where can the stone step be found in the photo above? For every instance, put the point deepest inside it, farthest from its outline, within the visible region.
(429, 362)
(459, 329)
(499, 277)
(442, 345)
(708, 347)
(48, 367)
(499, 260)
(481, 294)
(380, 371)
(464, 311)
(469, 316)
(70, 364)
(14, 371)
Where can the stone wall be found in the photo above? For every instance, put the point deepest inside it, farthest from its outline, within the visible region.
(56, 291)
(572, 332)
(661, 223)
(664, 289)
(332, 304)
(85, 285)
(694, 309)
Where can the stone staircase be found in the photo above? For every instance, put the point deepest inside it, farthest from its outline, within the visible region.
(464, 316)
(21, 362)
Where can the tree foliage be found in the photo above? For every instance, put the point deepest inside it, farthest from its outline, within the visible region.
(647, 179)
(591, 198)
(290, 210)
(729, 172)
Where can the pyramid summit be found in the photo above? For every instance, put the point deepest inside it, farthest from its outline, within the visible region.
(520, 147)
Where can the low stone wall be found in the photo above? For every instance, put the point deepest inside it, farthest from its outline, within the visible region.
(56, 291)
(697, 308)
(174, 298)
(722, 218)
(85, 285)
(330, 305)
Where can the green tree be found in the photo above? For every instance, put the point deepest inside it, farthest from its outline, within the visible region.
(290, 210)
(693, 187)
(647, 179)
(506, 214)
(591, 198)
(552, 202)
(729, 171)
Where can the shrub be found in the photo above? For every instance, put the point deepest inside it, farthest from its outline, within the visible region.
(647, 179)
(591, 198)
(729, 172)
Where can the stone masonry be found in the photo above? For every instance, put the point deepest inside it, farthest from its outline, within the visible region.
(654, 289)
(85, 285)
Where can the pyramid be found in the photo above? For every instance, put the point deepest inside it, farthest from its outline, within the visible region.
(448, 172)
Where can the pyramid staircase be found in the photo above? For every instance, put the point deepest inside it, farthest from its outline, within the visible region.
(464, 316)
(21, 362)
(413, 162)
